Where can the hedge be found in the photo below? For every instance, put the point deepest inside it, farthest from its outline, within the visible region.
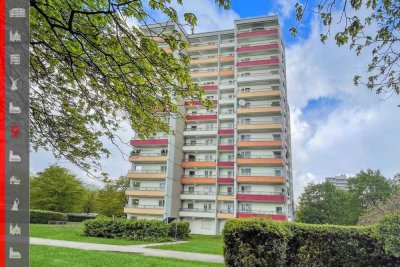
(179, 230)
(44, 216)
(389, 233)
(138, 229)
(79, 217)
(262, 242)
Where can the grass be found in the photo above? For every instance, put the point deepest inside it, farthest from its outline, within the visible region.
(199, 244)
(44, 256)
(74, 232)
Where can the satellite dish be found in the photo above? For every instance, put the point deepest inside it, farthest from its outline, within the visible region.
(242, 102)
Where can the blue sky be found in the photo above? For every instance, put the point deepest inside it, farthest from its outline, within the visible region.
(336, 127)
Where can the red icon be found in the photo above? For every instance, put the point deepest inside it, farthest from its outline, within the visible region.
(15, 130)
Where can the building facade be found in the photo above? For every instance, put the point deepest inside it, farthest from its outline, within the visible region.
(340, 181)
(234, 160)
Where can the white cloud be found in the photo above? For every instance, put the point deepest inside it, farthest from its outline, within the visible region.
(359, 133)
(285, 8)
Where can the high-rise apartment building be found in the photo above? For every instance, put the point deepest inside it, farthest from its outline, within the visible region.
(233, 161)
(340, 181)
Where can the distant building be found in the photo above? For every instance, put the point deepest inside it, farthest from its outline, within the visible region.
(340, 181)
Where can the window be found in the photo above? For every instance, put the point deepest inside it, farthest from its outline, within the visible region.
(277, 154)
(279, 210)
(207, 206)
(161, 203)
(229, 190)
(209, 142)
(135, 201)
(246, 74)
(230, 173)
(207, 190)
(246, 207)
(245, 154)
(245, 120)
(230, 208)
(245, 137)
(246, 171)
(136, 184)
(207, 173)
(162, 185)
(209, 127)
(164, 151)
(192, 158)
(163, 168)
(247, 89)
(275, 103)
(276, 136)
(245, 188)
(191, 189)
(209, 157)
(205, 224)
(230, 157)
(278, 173)
(230, 141)
(192, 173)
(192, 142)
(138, 168)
(193, 127)
(190, 206)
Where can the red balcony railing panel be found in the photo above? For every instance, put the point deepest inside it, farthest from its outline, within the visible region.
(258, 33)
(257, 48)
(258, 62)
(210, 87)
(150, 142)
(201, 117)
(226, 163)
(226, 131)
(274, 198)
(226, 147)
(225, 180)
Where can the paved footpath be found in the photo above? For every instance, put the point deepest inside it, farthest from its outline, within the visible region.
(139, 249)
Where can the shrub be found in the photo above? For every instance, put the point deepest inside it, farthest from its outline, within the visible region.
(255, 242)
(144, 230)
(388, 231)
(262, 242)
(79, 217)
(180, 230)
(44, 216)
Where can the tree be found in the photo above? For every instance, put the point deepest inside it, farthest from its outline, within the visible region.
(367, 189)
(111, 199)
(378, 30)
(92, 70)
(375, 214)
(56, 189)
(323, 203)
(89, 200)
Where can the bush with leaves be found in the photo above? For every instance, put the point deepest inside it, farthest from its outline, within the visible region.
(389, 232)
(44, 216)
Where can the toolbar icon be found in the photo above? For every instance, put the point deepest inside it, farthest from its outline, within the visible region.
(17, 13)
(14, 84)
(15, 205)
(14, 180)
(14, 109)
(14, 130)
(14, 254)
(15, 59)
(14, 157)
(15, 230)
(15, 37)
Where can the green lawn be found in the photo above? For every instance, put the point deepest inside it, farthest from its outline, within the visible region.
(200, 244)
(44, 256)
(74, 232)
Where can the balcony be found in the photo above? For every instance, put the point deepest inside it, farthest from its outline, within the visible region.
(209, 87)
(227, 85)
(199, 47)
(198, 179)
(225, 196)
(258, 213)
(257, 47)
(202, 117)
(146, 192)
(226, 147)
(260, 160)
(226, 164)
(199, 131)
(204, 59)
(199, 146)
(225, 214)
(258, 110)
(257, 61)
(225, 180)
(198, 103)
(257, 32)
(260, 196)
(197, 195)
(202, 74)
(227, 58)
(202, 213)
(227, 72)
(148, 157)
(257, 77)
(199, 163)
(259, 142)
(265, 93)
(223, 115)
(156, 141)
(147, 175)
(260, 178)
(144, 209)
(226, 131)
(227, 100)
(257, 126)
